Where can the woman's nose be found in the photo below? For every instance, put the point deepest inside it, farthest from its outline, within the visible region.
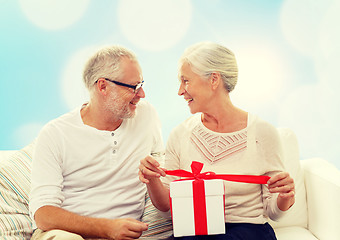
(181, 90)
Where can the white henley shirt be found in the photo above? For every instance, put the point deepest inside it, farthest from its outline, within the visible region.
(92, 172)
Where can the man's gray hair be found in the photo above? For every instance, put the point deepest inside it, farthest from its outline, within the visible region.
(105, 64)
(206, 58)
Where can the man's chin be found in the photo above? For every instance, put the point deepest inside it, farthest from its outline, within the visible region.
(129, 114)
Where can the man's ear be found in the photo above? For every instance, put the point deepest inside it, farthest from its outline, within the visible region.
(215, 80)
(101, 86)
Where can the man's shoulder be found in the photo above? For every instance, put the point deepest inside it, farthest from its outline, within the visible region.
(144, 104)
(68, 117)
(145, 108)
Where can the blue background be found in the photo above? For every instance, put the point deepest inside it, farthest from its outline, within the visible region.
(287, 51)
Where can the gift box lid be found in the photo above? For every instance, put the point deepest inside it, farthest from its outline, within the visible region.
(183, 188)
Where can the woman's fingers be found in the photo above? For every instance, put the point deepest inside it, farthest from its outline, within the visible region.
(150, 168)
(283, 184)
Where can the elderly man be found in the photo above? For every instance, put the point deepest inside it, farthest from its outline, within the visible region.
(85, 165)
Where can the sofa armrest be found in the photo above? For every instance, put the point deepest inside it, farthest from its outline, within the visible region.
(322, 181)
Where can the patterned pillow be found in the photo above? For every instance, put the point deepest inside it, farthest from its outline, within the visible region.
(15, 171)
(159, 227)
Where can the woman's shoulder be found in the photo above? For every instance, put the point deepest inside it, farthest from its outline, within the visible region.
(189, 123)
(186, 126)
(263, 128)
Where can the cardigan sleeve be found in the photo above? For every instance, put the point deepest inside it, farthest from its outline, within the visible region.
(270, 147)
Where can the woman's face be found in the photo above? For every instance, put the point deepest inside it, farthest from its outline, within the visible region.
(195, 90)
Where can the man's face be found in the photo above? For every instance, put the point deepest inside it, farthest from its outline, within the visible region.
(122, 101)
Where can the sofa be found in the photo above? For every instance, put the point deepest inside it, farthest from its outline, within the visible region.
(314, 215)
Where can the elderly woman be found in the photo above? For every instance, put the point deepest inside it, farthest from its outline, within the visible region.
(228, 140)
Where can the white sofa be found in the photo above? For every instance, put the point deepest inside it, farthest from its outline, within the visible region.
(314, 215)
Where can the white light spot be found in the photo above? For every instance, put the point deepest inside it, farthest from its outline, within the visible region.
(330, 32)
(327, 70)
(73, 88)
(311, 111)
(154, 24)
(327, 61)
(25, 134)
(261, 75)
(53, 14)
(300, 23)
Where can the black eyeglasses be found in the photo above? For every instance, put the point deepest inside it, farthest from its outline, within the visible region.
(134, 87)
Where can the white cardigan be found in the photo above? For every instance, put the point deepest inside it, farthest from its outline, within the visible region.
(257, 151)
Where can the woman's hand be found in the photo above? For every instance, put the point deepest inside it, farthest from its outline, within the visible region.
(149, 173)
(283, 184)
(150, 169)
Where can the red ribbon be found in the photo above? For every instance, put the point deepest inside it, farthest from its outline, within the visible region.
(196, 168)
(200, 213)
(200, 216)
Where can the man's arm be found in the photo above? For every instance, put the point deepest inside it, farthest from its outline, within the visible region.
(50, 217)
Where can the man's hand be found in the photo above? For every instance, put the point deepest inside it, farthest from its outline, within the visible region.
(51, 217)
(126, 228)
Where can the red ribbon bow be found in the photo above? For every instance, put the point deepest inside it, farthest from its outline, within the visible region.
(196, 168)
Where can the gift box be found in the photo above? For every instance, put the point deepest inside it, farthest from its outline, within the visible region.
(197, 207)
(197, 201)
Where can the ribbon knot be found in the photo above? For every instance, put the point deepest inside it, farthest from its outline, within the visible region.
(196, 168)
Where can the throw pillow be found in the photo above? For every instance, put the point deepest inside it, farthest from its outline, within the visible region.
(159, 227)
(15, 171)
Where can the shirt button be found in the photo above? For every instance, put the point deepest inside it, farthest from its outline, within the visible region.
(112, 134)
(114, 151)
(115, 142)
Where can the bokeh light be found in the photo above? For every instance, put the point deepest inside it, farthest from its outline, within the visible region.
(53, 14)
(300, 23)
(24, 134)
(154, 24)
(329, 37)
(261, 75)
(287, 51)
(72, 85)
(307, 111)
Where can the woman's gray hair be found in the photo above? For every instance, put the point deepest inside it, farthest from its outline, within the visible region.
(105, 64)
(206, 58)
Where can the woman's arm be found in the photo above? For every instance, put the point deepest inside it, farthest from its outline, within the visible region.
(283, 184)
(150, 173)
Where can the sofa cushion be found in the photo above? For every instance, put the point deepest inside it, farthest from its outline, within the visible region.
(297, 215)
(323, 193)
(15, 170)
(292, 233)
(159, 226)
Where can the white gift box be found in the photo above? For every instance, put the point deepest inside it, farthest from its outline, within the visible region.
(191, 218)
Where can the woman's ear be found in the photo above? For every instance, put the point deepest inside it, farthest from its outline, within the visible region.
(215, 80)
